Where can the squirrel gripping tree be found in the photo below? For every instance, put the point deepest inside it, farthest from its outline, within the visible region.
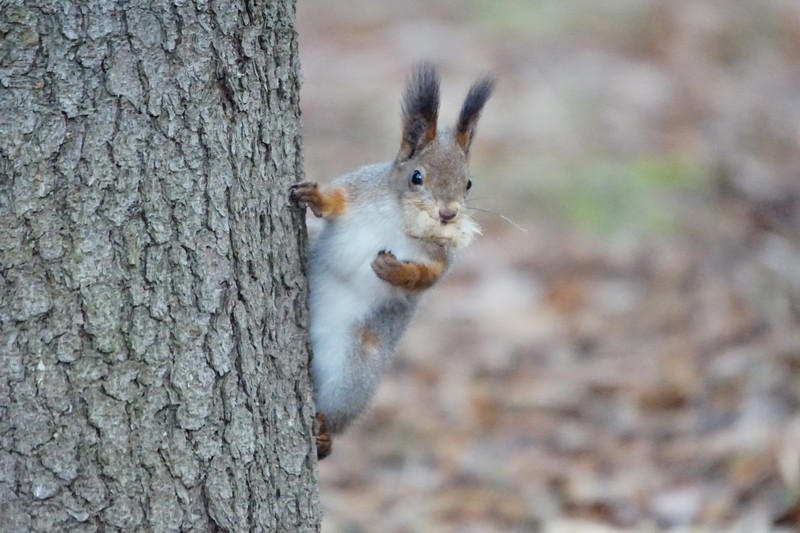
(391, 232)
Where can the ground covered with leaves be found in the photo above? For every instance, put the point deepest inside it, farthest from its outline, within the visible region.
(620, 350)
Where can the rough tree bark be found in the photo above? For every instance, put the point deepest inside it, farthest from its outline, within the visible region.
(153, 372)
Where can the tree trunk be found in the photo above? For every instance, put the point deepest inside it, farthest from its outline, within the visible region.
(154, 371)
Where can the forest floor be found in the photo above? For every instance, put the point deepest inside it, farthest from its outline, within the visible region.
(620, 350)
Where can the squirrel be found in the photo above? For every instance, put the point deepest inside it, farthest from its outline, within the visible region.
(390, 233)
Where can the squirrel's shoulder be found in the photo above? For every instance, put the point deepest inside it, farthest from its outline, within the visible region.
(365, 183)
(372, 174)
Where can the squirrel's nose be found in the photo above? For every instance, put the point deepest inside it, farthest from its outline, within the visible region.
(446, 215)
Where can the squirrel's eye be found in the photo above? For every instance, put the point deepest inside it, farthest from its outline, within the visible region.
(416, 177)
(469, 184)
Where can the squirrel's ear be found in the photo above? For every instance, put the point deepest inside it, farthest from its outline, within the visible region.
(477, 96)
(420, 111)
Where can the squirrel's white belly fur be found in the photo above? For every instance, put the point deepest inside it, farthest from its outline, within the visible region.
(345, 293)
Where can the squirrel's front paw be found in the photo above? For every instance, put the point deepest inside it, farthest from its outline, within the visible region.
(408, 275)
(385, 265)
(322, 204)
(306, 193)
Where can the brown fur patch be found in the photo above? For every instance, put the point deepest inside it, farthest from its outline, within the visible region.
(368, 344)
(368, 338)
(406, 274)
(430, 133)
(335, 203)
(463, 139)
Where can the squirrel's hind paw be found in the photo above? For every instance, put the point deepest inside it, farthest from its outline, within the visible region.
(324, 438)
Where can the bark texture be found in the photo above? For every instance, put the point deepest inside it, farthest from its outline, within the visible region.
(154, 371)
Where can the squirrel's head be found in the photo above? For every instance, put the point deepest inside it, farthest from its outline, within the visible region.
(431, 168)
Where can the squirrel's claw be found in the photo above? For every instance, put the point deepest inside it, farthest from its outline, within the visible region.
(385, 263)
(306, 194)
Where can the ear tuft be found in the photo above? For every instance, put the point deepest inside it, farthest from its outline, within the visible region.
(476, 98)
(420, 110)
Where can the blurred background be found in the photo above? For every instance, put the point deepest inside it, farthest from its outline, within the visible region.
(620, 350)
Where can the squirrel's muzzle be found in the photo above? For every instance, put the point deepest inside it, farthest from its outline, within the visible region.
(447, 214)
